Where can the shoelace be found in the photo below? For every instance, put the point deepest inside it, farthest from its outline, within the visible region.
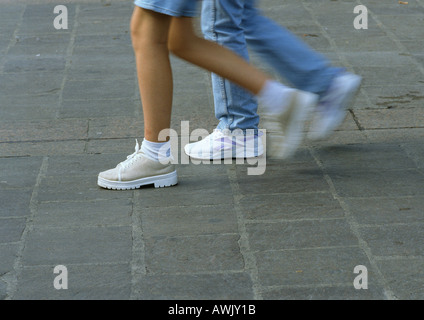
(132, 157)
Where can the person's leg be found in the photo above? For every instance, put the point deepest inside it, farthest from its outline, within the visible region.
(235, 108)
(236, 135)
(305, 68)
(149, 34)
(292, 58)
(185, 44)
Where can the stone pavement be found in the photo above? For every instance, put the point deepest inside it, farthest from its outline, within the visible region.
(69, 108)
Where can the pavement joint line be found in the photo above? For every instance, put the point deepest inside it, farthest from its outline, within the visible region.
(196, 273)
(188, 236)
(391, 258)
(354, 226)
(138, 252)
(393, 224)
(276, 221)
(12, 41)
(82, 264)
(306, 286)
(68, 56)
(249, 258)
(33, 206)
(394, 38)
(305, 249)
(410, 155)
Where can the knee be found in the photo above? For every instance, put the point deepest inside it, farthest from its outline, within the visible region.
(147, 30)
(175, 45)
(179, 45)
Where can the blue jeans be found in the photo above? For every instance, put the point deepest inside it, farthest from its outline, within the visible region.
(237, 24)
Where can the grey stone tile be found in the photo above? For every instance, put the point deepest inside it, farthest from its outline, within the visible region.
(15, 203)
(386, 210)
(26, 102)
(369, 156)
(108, 40)
(3, 289)
(79, 165)
(394, 240)
(98, 89)
(96, 55)
(312, 267)
(377, 183)
(25, 63)
(365, 43)
(232, 286)
(377, 59)
(19, 172)
(60, 246)
(189, 221)
(115, 212)
(405, 277)
(401, 25)
(44, 129)
(115, 128)
(300, 234)
(36, 25)
(406, 135)
(122, 147)
(416, 152)
(347, 292)
(28, 112)
(11, 229)
(38, 148)
(85, 282)
(79, 188)
(46, 44)
(45, 11)
(87, 70)
(308, 180)
(11, 11)
(201, 170)
(189, 191)
(376, 75)
(98, 11)
(97, 108)
(38, 83)
(318, 205)
(100, 25)
(394, 96)
(8, 253)
(206, 253)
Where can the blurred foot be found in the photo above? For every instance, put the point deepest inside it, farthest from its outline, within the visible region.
(332, 106)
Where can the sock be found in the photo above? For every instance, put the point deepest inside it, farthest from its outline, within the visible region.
(156, 150)
(274, 96)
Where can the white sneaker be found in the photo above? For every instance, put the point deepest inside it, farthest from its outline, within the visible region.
(138, 171)
(285, 130)
(332, 107)
(223, 144)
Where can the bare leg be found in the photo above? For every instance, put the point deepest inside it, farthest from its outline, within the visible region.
(184, 43)
(149, 33)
